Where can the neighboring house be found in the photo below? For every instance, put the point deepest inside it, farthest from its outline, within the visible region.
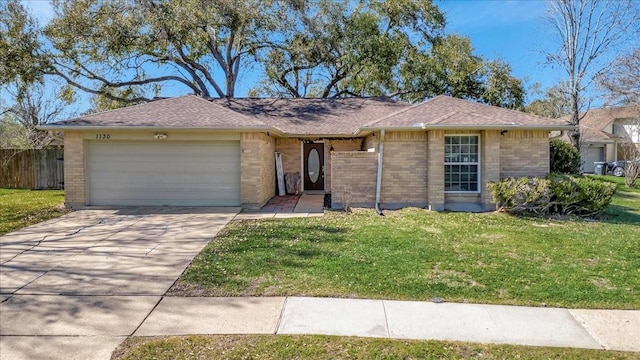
(191, 151)
(604, 134)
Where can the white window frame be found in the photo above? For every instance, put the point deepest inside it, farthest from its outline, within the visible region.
(478, 164)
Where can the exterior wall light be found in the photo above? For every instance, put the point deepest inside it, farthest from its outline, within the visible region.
(160, 136)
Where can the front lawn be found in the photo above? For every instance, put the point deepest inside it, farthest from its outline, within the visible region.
(20, 208)
(625, 206)
(330, 347)
(415, 254)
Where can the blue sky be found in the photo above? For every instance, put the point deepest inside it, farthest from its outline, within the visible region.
(515, 31)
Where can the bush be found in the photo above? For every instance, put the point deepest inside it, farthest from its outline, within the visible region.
(565, 159)
(521, 195)
(556, 194)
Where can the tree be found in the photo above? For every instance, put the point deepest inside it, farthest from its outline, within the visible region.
(342, 48)
(554, 104)
(19, 45)
(382, 48)
(500, 87)
(622, 81)
(587, 30)
(31, 106)
(622, 86)
(126, 51)
(109, 47)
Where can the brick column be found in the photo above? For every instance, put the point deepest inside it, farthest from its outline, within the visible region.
(490, 163)
(74, 176)
(257, 170)
(435, 169)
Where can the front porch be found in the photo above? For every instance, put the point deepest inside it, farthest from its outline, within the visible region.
(305, 205)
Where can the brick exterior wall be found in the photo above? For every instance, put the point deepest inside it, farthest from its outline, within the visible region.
(404, 170)
(74, 170)
(338, 145)
(490, 164)
(354, 179)
(413, 168)
(435, 169)
(524, 153)
(257, 170)
(291, 154)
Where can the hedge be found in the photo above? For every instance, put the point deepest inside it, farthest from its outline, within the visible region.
(555, 194)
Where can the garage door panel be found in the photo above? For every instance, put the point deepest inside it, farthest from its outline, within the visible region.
(149, 173)
(589, 155)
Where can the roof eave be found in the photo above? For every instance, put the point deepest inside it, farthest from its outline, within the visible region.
(335, 136)
(422, 126)
(159, 128)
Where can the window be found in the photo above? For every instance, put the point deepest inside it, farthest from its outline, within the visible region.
(461, 163)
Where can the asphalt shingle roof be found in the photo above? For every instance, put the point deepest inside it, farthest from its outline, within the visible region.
(444, 111)
(188, 111)
(341, 116)
(595, 120)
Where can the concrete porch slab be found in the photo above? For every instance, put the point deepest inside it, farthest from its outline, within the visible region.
(74, 315)
(310, 204)
(343, 317)
(199, 315)
(58, 347)
(614, 329)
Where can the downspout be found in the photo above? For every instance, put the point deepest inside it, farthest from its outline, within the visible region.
(379, 177)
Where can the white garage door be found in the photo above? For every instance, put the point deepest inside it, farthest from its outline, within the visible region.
(589, 155)
(168, 173)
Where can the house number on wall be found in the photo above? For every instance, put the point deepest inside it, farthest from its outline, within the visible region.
(103, 136)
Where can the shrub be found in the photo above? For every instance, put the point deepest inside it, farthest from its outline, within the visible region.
(521, 195)
(565, 158)
(556, 194)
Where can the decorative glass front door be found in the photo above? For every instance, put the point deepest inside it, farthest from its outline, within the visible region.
(313, 166)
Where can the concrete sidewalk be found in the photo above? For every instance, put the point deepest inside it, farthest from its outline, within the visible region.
(518, 325)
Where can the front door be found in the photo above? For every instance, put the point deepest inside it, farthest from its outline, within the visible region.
(313, 166)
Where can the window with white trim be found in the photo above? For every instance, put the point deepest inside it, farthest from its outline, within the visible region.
(461, 163)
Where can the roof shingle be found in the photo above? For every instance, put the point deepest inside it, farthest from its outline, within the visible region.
(595, 120)
(308, 117)
(188, 111)
(446, 111)
(339, 116)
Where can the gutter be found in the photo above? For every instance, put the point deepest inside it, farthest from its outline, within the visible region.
(64, 128)
(379, 175)
(495, 127)
(149, 127)
(423, 126)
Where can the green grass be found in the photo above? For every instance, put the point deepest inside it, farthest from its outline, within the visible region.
(414, 254)
(328, 347)
(625, 207)
(20, 208)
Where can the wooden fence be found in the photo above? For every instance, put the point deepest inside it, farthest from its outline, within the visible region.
(32, 169)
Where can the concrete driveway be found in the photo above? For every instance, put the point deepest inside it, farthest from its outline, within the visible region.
(76, 286)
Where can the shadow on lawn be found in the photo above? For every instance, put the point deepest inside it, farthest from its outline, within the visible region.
(617, 214)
